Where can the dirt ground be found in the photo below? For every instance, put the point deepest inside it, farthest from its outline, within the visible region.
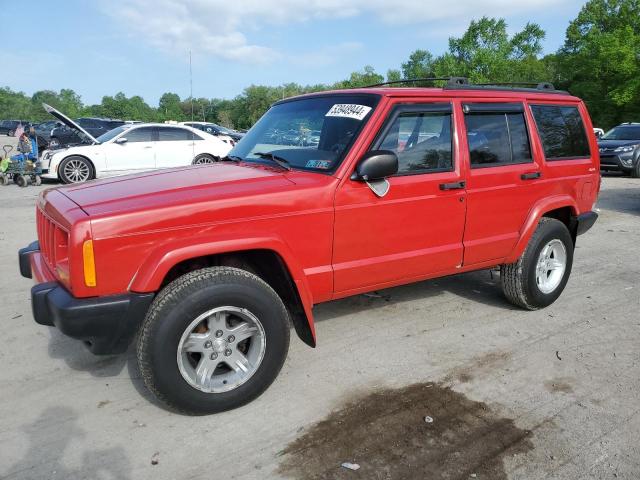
(440, 379)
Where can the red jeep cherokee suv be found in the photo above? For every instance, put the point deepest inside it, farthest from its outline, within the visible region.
(207, 266)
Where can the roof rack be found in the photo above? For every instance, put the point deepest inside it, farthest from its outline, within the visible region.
(463, 83)
(449, 80)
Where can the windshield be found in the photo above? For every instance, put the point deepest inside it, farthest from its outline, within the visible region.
(310, 134)
(105, 137)
(623, 133)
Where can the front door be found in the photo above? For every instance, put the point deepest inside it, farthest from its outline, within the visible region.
(175, 147)
(135, 155)
(415, 230)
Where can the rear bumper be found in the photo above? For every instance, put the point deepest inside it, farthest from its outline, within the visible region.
(105, 324)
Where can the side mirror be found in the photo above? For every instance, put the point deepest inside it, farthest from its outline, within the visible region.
(376, 165)
(374, 168)
(121, 140)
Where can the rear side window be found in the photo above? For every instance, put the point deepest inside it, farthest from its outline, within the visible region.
(497, 135)
(561, 131)
(171, 134)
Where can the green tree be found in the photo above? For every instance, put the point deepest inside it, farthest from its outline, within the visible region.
(600, 60)
(169, 107)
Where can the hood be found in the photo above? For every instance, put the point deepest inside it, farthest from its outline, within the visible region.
(68, 122)
(173, 188)
(610, 144)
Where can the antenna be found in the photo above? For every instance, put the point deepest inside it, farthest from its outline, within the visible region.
(191, 84)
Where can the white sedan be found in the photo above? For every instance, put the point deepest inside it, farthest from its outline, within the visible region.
(131, 149)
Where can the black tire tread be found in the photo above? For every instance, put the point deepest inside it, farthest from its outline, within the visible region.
(170, 296)
(512, 275)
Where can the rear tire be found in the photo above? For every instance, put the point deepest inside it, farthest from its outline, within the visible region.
(10, 133)
(21, 181)
(183, 330)
(539, 276)
(4, 180)
(204, 158)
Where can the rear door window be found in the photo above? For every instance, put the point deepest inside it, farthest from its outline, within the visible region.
(561, 131)
(497, 134)
(171, 134)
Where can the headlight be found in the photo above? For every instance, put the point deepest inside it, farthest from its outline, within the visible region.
(629, 148)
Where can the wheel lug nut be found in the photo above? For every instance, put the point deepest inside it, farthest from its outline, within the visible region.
(207, 344)
(214, 355)
(232, 338)
(227, 352)
(219, 333)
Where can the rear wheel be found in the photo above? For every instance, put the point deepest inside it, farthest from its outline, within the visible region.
(204, 158)
(213, 340)
(539, 276)
(4, 180)
(75, 169)
(21, 180)
(10, 133)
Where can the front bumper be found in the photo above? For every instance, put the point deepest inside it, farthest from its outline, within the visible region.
(105, 324)
(616, 163)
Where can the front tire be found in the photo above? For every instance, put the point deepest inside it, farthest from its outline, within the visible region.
(635, 173)
(213, 340)
(204, 158)
(539, 276)
(75, 169)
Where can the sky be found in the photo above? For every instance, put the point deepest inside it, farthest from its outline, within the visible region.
(141, 47)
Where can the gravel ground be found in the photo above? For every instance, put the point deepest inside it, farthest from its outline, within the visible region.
(511, 394)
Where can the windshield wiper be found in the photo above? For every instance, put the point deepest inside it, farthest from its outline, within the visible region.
(232, 158)
(282, 162)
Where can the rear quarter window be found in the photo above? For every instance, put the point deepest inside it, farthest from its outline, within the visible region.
(561, 131)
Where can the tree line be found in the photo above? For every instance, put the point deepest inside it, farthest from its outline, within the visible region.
(599, 62)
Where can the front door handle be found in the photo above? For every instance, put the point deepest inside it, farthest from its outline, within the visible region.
(452, 186)
(530, 176)
(148, 146)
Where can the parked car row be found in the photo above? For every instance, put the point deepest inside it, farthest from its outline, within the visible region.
(129, 148)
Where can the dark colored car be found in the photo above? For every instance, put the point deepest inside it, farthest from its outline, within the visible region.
(215, 129)
(620, 149)
(44, 129)
(64, 136)
(8, 127)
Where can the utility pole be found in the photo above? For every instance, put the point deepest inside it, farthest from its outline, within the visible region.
(191, 84)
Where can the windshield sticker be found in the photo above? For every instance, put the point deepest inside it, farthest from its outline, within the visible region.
(321, 164)
(348, 110)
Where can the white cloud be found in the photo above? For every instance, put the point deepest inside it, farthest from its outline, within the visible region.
(216, 27)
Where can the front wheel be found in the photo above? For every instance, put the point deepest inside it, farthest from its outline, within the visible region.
(635, 173)
(75, 169)
(539, 276)
(204, 158)
(213, 340)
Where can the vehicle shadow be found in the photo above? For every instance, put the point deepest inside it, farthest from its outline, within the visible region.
(78, 357)
(50, 435)
(481, 286)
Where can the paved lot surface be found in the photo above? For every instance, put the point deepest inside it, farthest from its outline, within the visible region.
(512, 394)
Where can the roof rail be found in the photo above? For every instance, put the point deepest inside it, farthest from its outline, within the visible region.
(449, 80)
(463, 83)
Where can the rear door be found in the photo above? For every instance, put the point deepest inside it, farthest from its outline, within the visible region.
(416, 229)
(504, 179)
(135, 155)
(175, 147)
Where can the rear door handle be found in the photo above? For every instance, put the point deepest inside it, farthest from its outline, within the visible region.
(452, 186)
(530, 176)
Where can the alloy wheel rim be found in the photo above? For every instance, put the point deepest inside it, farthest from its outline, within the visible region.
(221, 349)
(76, 171)
(551, 265)
(202, 160)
